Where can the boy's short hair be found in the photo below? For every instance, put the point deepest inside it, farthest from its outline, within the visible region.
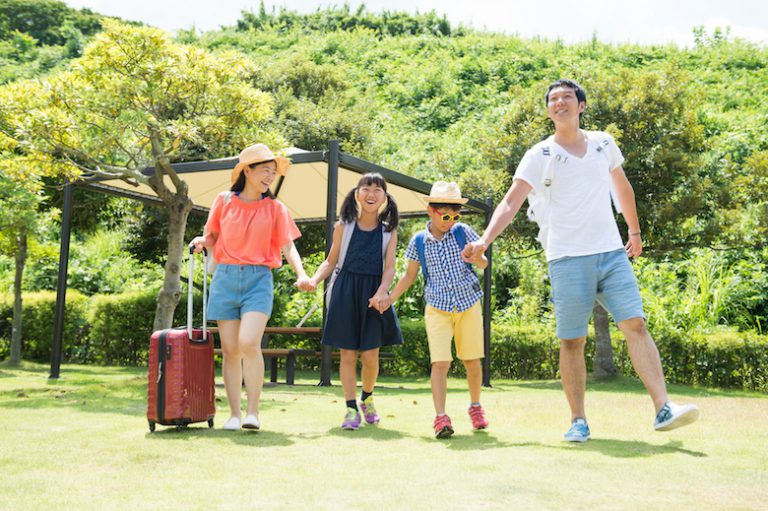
(441, 205)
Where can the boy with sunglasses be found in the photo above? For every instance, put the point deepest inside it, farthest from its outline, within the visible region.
(453, 294)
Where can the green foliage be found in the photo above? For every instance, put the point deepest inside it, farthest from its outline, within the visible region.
(48, 21)
(386, 23)
(38, 325)
(723, 358)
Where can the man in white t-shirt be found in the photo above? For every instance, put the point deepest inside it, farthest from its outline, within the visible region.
(569, 180)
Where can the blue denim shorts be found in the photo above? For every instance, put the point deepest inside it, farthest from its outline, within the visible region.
(578, 281)
(237, 289)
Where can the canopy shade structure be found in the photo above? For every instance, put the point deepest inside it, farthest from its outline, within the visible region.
(302, 190)
(315, 184)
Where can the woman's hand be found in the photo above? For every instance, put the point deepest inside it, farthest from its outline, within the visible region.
(197, 244)
(304, 283)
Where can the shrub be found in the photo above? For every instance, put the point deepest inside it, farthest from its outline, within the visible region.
(37, 325)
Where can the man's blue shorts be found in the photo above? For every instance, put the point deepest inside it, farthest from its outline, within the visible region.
(237, 289)
(578, 281)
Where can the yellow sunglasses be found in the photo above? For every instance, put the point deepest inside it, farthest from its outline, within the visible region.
(445, 217)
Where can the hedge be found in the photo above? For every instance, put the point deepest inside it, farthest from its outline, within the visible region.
(114, 329)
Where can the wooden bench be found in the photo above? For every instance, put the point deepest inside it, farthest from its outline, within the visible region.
(271, 355)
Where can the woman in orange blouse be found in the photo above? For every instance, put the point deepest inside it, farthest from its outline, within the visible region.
(249, 231)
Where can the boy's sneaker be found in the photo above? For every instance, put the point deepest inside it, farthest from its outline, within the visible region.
(672, 416)
(477, 416)
(579, 431)
(443, 426)
(369, 411)
(351, 420)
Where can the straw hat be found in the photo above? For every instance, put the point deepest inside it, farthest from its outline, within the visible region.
(447, 193)
(258, 153)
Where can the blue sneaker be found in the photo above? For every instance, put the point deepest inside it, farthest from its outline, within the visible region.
(672, 416)
(579, 431)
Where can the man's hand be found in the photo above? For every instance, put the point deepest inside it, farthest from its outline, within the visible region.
(473, 252)
(634, 246)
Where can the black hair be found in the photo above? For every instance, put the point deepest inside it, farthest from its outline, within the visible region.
(446, 205)
(389, 217)
(581, 95)
(239, 185)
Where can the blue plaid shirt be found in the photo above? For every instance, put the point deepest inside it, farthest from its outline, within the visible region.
(452, 286)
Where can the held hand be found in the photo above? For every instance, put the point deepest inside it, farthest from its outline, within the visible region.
(634, 246)
(197, 244)
(473, 251)
(305, 284)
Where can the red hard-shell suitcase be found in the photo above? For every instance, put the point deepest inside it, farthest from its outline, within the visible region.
(181, 372)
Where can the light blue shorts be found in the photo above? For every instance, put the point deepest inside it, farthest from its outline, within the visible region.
(578, 281)
(237, 289)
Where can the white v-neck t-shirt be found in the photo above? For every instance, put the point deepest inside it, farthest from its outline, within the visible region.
(581, 221)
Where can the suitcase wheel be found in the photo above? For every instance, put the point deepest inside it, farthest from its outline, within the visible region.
(151, 426)
(210, 423)
(179, 427)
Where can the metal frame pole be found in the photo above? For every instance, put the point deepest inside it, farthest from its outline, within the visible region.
(326, 362)
(487, 282)
(61, 287)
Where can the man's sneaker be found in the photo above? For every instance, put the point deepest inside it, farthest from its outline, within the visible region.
(672, 416)
(351, 420)
(369, 411)
(579, 431)
(477, 416)
(443, 427)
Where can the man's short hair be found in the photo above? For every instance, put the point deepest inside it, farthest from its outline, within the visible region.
(581, 95)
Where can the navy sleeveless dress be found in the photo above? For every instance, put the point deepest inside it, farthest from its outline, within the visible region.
(350, 324)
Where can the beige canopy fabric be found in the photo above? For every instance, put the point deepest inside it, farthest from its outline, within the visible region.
(303, 190)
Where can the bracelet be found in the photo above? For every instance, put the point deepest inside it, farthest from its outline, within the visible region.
(634, 233)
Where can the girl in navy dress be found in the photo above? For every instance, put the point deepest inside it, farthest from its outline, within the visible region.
(362, 260)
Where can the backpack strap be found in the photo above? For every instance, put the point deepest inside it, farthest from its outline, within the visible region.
(419, 240)
(460, 234)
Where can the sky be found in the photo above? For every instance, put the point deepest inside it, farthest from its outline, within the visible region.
(617, 21)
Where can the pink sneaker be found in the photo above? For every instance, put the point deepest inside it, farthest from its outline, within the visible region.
(477, 416)
(443, 426)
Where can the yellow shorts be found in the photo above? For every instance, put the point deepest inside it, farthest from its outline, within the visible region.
(466, 327)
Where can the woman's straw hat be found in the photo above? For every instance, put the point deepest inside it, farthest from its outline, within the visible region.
(258, 153)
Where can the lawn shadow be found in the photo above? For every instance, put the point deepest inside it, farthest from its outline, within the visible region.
(242, 437)
(371, 432)
(630, 448)
(476, 441)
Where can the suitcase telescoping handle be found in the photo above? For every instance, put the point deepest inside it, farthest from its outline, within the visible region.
(205, 293)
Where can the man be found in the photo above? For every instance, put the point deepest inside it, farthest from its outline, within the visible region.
(569, 180)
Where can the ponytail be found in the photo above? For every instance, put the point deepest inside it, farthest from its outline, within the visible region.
(390, 216)
(349, 212)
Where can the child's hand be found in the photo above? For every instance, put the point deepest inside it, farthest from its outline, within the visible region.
(473, 252)
(305, 284)
(380, 302)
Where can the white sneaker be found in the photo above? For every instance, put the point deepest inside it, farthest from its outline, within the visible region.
(251, 422)
(672, 416)
(233, 424)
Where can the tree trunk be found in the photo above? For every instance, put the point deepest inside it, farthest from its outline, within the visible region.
(21, 259)
(168, 297)
(604, 366)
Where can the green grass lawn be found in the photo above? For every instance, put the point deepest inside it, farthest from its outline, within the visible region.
(82, 442)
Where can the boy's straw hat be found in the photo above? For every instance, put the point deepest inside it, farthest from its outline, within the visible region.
(258, 153)
(447, 193)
